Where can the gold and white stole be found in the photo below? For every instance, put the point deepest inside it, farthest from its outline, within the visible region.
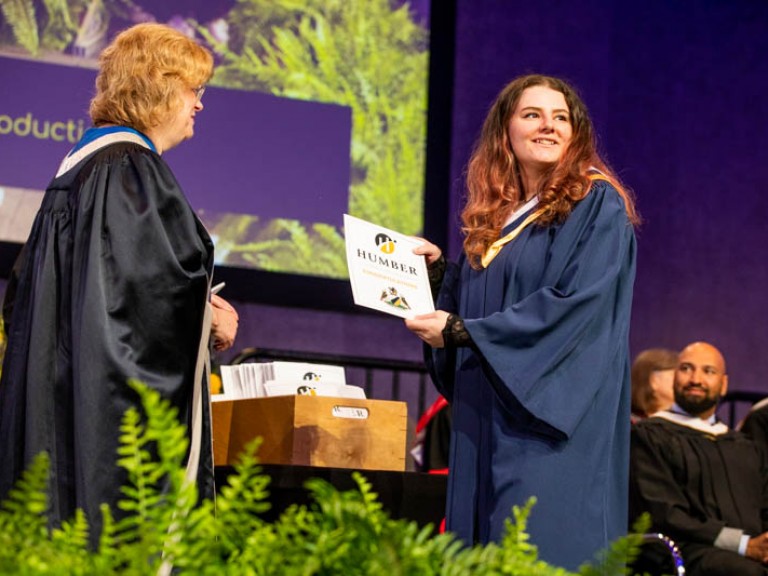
(493, 250)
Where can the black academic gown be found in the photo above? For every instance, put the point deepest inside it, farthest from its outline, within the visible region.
(113, 285)
(694, 484)
(541, 401)
(756, 425)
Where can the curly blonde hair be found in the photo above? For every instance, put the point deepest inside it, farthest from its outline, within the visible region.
(141, 73)
(493, 175)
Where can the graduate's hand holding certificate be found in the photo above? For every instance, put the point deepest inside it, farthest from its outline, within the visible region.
(430, 251)
(429, 327)
(384, 272)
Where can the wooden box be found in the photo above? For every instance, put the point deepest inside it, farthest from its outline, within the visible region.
(312, 431)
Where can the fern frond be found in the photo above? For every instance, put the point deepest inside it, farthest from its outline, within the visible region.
(60, 28)
(20, 14)
(23, 512)
(241, 502)
(369, 497)
(156, 500)
(73, 534)
(620, 553)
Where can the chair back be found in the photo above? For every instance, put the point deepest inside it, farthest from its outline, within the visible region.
(735, 405)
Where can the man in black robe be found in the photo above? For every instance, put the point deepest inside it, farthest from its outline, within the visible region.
(755, 424)
(704, 486)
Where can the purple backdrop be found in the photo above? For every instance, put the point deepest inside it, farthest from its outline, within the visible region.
(256, 154)
(274, 157)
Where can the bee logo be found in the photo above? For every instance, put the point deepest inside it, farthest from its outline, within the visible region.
(385, 243)
(311, 376)
(306, 391)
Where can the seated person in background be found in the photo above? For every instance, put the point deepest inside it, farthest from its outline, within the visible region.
(653, 374)
(755, 424)
(705, 486)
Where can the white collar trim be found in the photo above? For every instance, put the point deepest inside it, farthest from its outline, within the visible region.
(716, 429)
(522, 210)
(72, 159)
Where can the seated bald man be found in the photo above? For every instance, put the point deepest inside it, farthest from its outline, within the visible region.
(703, 484)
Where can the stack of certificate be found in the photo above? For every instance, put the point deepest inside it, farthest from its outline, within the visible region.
(261, 379)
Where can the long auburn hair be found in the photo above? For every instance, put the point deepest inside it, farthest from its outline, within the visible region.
(493, 175)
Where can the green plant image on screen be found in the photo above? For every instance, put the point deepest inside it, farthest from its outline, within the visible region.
(371, 57)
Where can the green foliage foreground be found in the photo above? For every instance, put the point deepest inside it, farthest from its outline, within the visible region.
(340, 533)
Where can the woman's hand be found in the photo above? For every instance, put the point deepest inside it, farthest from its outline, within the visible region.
(429, 250)
(223, 324)
(429, 327)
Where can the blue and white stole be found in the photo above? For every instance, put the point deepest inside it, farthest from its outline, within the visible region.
(96, 138)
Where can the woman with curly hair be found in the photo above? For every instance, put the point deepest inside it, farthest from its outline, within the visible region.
(530, 340)
(114, 283)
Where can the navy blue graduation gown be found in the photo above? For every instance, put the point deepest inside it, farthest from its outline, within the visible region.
(113, 284)
(541, 401)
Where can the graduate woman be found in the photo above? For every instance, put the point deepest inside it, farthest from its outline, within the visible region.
(114, 283)
(530, 339)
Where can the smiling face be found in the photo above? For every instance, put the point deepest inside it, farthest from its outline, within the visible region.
(700, 379)
(539, 131)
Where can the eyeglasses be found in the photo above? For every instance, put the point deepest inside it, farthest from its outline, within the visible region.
(199, 91)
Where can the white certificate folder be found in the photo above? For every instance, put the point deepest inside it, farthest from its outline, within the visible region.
(384, 272)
